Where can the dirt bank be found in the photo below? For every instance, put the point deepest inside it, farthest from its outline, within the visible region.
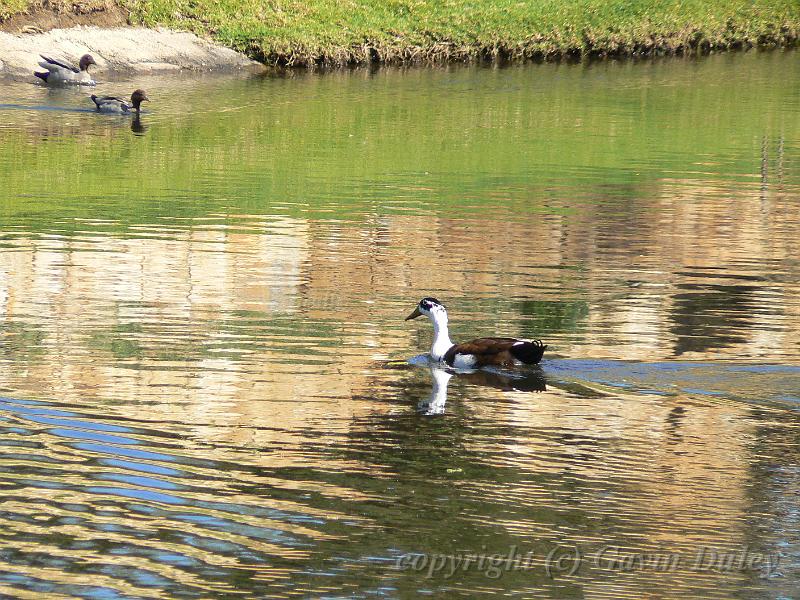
(121, 49)
(43, 15)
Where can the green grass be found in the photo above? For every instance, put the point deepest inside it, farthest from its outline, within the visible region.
(304, 32)
(9, 8)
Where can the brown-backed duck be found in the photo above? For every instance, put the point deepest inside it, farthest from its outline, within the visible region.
(477, 353)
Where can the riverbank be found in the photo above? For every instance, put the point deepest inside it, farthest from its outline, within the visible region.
(327, 32)
(121, 50)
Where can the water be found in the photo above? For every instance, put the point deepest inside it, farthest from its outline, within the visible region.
(205, 384)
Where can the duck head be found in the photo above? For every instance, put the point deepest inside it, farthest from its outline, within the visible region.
(429, 307)
(137, 97)
(85, 61)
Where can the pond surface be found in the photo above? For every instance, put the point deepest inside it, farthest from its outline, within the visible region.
(205, 385)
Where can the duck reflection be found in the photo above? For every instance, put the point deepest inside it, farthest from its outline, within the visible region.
(137, 127)
(434, 404)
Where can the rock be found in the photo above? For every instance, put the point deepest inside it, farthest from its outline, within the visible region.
(126, 49)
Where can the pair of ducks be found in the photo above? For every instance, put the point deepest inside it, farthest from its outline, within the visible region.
(59, 72)
(481, 352)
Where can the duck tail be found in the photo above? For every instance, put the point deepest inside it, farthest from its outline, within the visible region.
(529, 353)
(42, 76)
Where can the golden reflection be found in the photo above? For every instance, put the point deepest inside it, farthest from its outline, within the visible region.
(196, 313)
(615, 455)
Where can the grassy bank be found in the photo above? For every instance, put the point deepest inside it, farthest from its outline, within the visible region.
(337, 32)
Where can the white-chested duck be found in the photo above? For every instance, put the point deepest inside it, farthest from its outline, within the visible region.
(477, 353)
(112, 104)
(62, 72)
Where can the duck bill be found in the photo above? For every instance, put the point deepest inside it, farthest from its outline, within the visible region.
(414, 314)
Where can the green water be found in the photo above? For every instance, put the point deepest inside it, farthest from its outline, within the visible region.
(207, 388)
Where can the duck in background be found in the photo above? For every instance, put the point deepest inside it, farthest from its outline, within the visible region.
(113, 104)
(62, 72)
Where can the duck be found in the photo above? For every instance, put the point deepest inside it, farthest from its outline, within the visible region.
(112, 104)
(481, 352)
(62, 72)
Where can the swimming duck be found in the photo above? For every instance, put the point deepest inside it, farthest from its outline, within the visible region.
(477, 353)
(112, 104)
(62, 72)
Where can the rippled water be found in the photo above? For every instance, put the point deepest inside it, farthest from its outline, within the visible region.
(205, 380)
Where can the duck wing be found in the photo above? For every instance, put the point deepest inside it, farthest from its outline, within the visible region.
(495, 351)
(110, 101)
(51, 63)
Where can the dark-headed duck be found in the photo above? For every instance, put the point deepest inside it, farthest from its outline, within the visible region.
(62, 72)
(112, 104)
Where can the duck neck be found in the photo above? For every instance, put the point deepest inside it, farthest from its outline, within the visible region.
(441, 337)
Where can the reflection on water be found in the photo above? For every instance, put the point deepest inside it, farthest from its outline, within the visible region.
(530, 380)
(137, 125)
(200, 310)
(434, 405)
